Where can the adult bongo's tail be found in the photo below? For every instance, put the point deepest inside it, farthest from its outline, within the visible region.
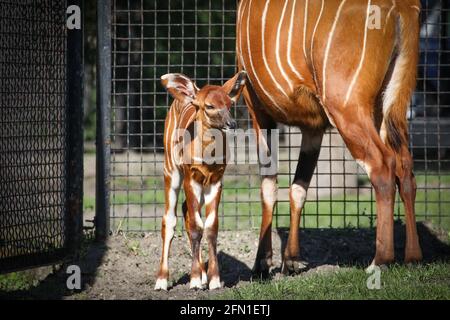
(400, 88)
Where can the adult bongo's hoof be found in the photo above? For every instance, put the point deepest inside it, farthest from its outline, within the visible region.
(261, 268)
(413, 256)
(293, 266)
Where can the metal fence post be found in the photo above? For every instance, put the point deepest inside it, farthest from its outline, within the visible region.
(74, 141)
(103, 139)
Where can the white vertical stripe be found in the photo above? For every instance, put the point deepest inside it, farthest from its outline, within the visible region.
(166, 171)
(389, 13)
(197, 190)
(277, 46)
(167, 146)
(210, 219)
(211, 192)
(312, 41)
(355, 77)
(388, 16)
(291, 31)
(327, 50)
(170, 218)
(168, 140)
(172, 149)
(241, 14)
(305, 22)
(266, 64)
(252, 66)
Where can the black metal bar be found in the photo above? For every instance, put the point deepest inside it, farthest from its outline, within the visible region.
(74, 141)
(150, 38)
(103, 119)
(24, 262)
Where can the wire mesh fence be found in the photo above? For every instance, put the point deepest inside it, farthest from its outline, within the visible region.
(197, 38)
(33, 133)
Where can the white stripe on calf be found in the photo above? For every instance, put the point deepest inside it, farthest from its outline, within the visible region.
(175, 181)
(197, 189)
(168, 139)
(166, 171)
(204, 275)
(209, 222)
(170, 218)
(171, 221)
(172, 141)
(211, 192)
(198, 220)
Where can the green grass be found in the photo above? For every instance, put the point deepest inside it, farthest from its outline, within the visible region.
(88, 203)
(397, 282)
(17, 281)
(337, 211)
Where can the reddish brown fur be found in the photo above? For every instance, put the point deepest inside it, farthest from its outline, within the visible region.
(209, 108)
(347, 73)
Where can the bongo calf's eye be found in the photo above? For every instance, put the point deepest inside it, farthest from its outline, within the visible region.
(209, 107)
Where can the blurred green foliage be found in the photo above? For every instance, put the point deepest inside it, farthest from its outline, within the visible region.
(151, 38)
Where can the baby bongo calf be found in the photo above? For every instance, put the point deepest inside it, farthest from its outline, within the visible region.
(193, 115)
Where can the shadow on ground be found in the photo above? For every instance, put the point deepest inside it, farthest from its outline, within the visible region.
(356, 247)
(232, 271)
(114, 271)
(54, 287)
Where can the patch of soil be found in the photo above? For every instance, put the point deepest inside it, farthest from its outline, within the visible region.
(125, 266)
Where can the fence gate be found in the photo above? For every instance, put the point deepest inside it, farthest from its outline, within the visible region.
(40, 133)
(149, 38)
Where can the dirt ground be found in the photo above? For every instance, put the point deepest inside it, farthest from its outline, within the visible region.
(125, 267)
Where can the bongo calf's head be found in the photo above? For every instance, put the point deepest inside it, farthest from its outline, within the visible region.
(210, 104)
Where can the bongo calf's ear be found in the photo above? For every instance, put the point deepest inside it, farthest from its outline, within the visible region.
(235, 85)
(180, 87)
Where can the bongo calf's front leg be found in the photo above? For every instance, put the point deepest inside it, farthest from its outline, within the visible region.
(194, 228)
(169, 221)
(212, 200)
